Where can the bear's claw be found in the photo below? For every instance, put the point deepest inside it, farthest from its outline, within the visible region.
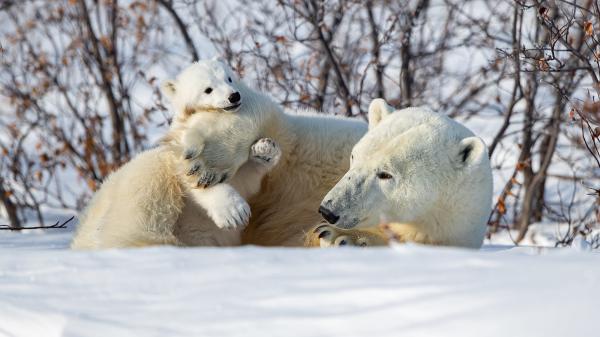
(206, 179)
(324, 234)
(322, 231)
(189, 154)
(330, 236)
(199, 172)
(194, 169)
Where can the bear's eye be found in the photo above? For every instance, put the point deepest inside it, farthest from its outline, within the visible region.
(208, 90)
(229, 79)
(384, 175)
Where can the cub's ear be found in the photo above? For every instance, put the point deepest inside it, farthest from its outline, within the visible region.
(378, 110)
(168, 89)
(471, 152)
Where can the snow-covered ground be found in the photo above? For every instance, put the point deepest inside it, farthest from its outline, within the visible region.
(48, 290)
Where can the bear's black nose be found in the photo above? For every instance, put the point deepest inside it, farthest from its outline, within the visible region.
(235, 97)
(328, 215)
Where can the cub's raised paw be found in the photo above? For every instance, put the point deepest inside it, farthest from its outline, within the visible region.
(200, 175)
(330, 236)
(266, 151)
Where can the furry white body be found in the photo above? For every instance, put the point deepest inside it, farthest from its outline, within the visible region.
(315, 150)
(155, 199)
(150, 200)
(147, 202)
(423, 172)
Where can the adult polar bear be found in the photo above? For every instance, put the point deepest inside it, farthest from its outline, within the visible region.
(421, 171)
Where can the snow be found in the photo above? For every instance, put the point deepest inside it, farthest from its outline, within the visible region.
(408, 290)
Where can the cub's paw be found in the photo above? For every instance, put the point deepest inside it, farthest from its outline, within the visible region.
(231, 212)
(266, 151)
(330, 236)
(200, 175)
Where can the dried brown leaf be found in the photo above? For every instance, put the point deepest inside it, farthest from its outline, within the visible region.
(543, 64)
(501, 206)
(588, 28)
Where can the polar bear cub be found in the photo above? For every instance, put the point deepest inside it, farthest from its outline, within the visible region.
(159, 198)
(210, 121)
(217, 116)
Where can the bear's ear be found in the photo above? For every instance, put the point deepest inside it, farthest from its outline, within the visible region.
(471, 151)
(378, 110)
(168, 89)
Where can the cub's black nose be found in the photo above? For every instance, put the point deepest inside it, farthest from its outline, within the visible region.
(235, 97)
(328, 215)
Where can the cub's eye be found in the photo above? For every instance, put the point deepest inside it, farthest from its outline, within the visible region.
(384, 175)
(229, 79)
(208, 90)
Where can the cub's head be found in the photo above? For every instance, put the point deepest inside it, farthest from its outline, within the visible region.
(413, 166)
(206, 85)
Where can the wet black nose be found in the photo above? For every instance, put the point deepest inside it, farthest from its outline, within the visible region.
(328, 215)
(235, 97)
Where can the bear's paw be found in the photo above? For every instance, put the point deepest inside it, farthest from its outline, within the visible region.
(224, 205)
(330, 236)
(266, 151)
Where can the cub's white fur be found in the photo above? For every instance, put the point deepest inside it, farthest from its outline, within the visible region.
(314, 155)
(156, 198)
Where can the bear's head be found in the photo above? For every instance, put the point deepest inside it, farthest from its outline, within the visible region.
(206, 85)
(418, 168)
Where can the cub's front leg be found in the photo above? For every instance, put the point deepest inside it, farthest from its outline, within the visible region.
(225, 203)
(264, 155)
(210, 160)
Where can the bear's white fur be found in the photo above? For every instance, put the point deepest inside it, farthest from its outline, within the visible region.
(314, 155)
(147, 203)
(423, 172)
(156, 199)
